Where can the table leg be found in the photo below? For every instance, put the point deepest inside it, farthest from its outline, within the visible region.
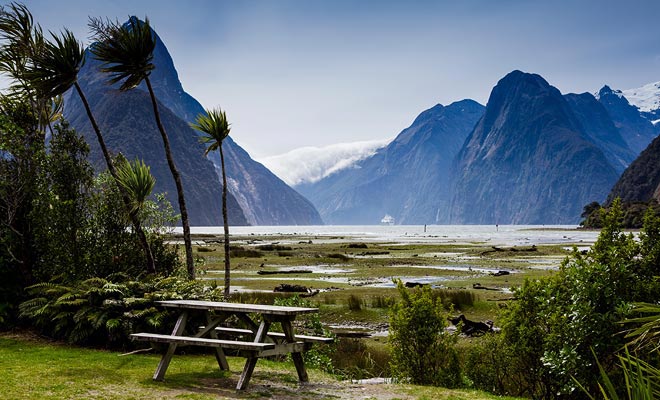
(219, 353)
(297, 357)
(251, 361)
(167, 357)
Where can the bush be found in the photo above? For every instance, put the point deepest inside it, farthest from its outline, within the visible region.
(354, 303)
(319, 356)
(245, 253)
(455, 299)
(274, 247)
(104, 312)
(558, 321)
(423, 352)
(490, 366)
(338, 256)
(353, 359)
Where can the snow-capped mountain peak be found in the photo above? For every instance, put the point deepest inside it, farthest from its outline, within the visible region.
(645, 98)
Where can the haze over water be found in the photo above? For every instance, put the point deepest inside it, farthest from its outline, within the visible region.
(502, 235)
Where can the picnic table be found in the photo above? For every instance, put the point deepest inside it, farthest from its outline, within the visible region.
(260, 343)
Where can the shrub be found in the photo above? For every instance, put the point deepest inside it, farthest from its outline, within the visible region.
(104, 312)
(382, 302)
(274, 247)
(490, 366)
(558, 321)
(357, 246)
(354, 303)
(354, 359)
(455, 299)
(319, 356)
(245, 253)
(423, 352)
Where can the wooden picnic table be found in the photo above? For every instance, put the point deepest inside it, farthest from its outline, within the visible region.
(261, 342)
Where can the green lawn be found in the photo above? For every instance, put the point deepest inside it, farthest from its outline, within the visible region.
(32, 368)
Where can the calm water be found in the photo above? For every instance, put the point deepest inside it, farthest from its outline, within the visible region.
(503, 235)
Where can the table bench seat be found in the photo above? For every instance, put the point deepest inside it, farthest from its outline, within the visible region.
(227, 344)
(275, 335)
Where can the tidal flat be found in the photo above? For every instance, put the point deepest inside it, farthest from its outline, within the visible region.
(363, 262)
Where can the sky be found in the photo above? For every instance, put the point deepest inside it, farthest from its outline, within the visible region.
(309, 73)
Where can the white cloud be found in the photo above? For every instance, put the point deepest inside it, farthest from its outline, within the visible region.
(310, 164)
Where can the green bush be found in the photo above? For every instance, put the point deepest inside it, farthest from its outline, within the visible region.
(354, 359)
(274, 247)
(382, 302)
(557, 321)
(423, 352)
(245, 253)
(490, 366)
(455, 299)
(319, 356)
(104, 312)
(338, 256)
(354, 303)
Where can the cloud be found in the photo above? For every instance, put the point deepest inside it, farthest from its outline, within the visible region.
(310, 164)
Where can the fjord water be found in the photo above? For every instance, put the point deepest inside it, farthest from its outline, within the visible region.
(502, 235)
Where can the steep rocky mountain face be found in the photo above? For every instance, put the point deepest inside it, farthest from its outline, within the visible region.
(264, 198)
(408, 179)
(640, 182)
(597, 123)
(256, 196)
(127, 123)
(528, 160)
(635, 129)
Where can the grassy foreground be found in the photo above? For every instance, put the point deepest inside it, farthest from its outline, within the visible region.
(32, 368)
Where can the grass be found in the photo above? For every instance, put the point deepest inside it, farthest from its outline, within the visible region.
(32, 368)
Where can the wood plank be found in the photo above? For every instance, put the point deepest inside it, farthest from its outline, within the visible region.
(219, 352)
(277, 335)
(296, 356)
(164, 362)
(194, 341)
(282, 349)
(237, 307)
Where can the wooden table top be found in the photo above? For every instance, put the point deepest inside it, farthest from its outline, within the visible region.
(236, 307)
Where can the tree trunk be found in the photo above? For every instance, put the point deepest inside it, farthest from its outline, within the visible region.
(190, 265)
(225, 221)
(151, 264)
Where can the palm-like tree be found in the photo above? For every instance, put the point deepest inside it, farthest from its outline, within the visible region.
(52, 71)
(136, 179)
(215, 130)
(126, 52)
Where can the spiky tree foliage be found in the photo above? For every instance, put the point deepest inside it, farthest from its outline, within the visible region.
(136, 179)
(52, 71)
(215, 129)
(126, 52)
(21, 39)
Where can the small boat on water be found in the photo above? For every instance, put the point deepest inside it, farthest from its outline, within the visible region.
(387, 220)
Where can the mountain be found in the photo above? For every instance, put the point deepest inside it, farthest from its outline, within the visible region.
(635, 129)
(528, 160)
(646, 99)
(640, 182)
(257, 196)
(597, 123)
(408, 179)
(264, 198)
(127, 123)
